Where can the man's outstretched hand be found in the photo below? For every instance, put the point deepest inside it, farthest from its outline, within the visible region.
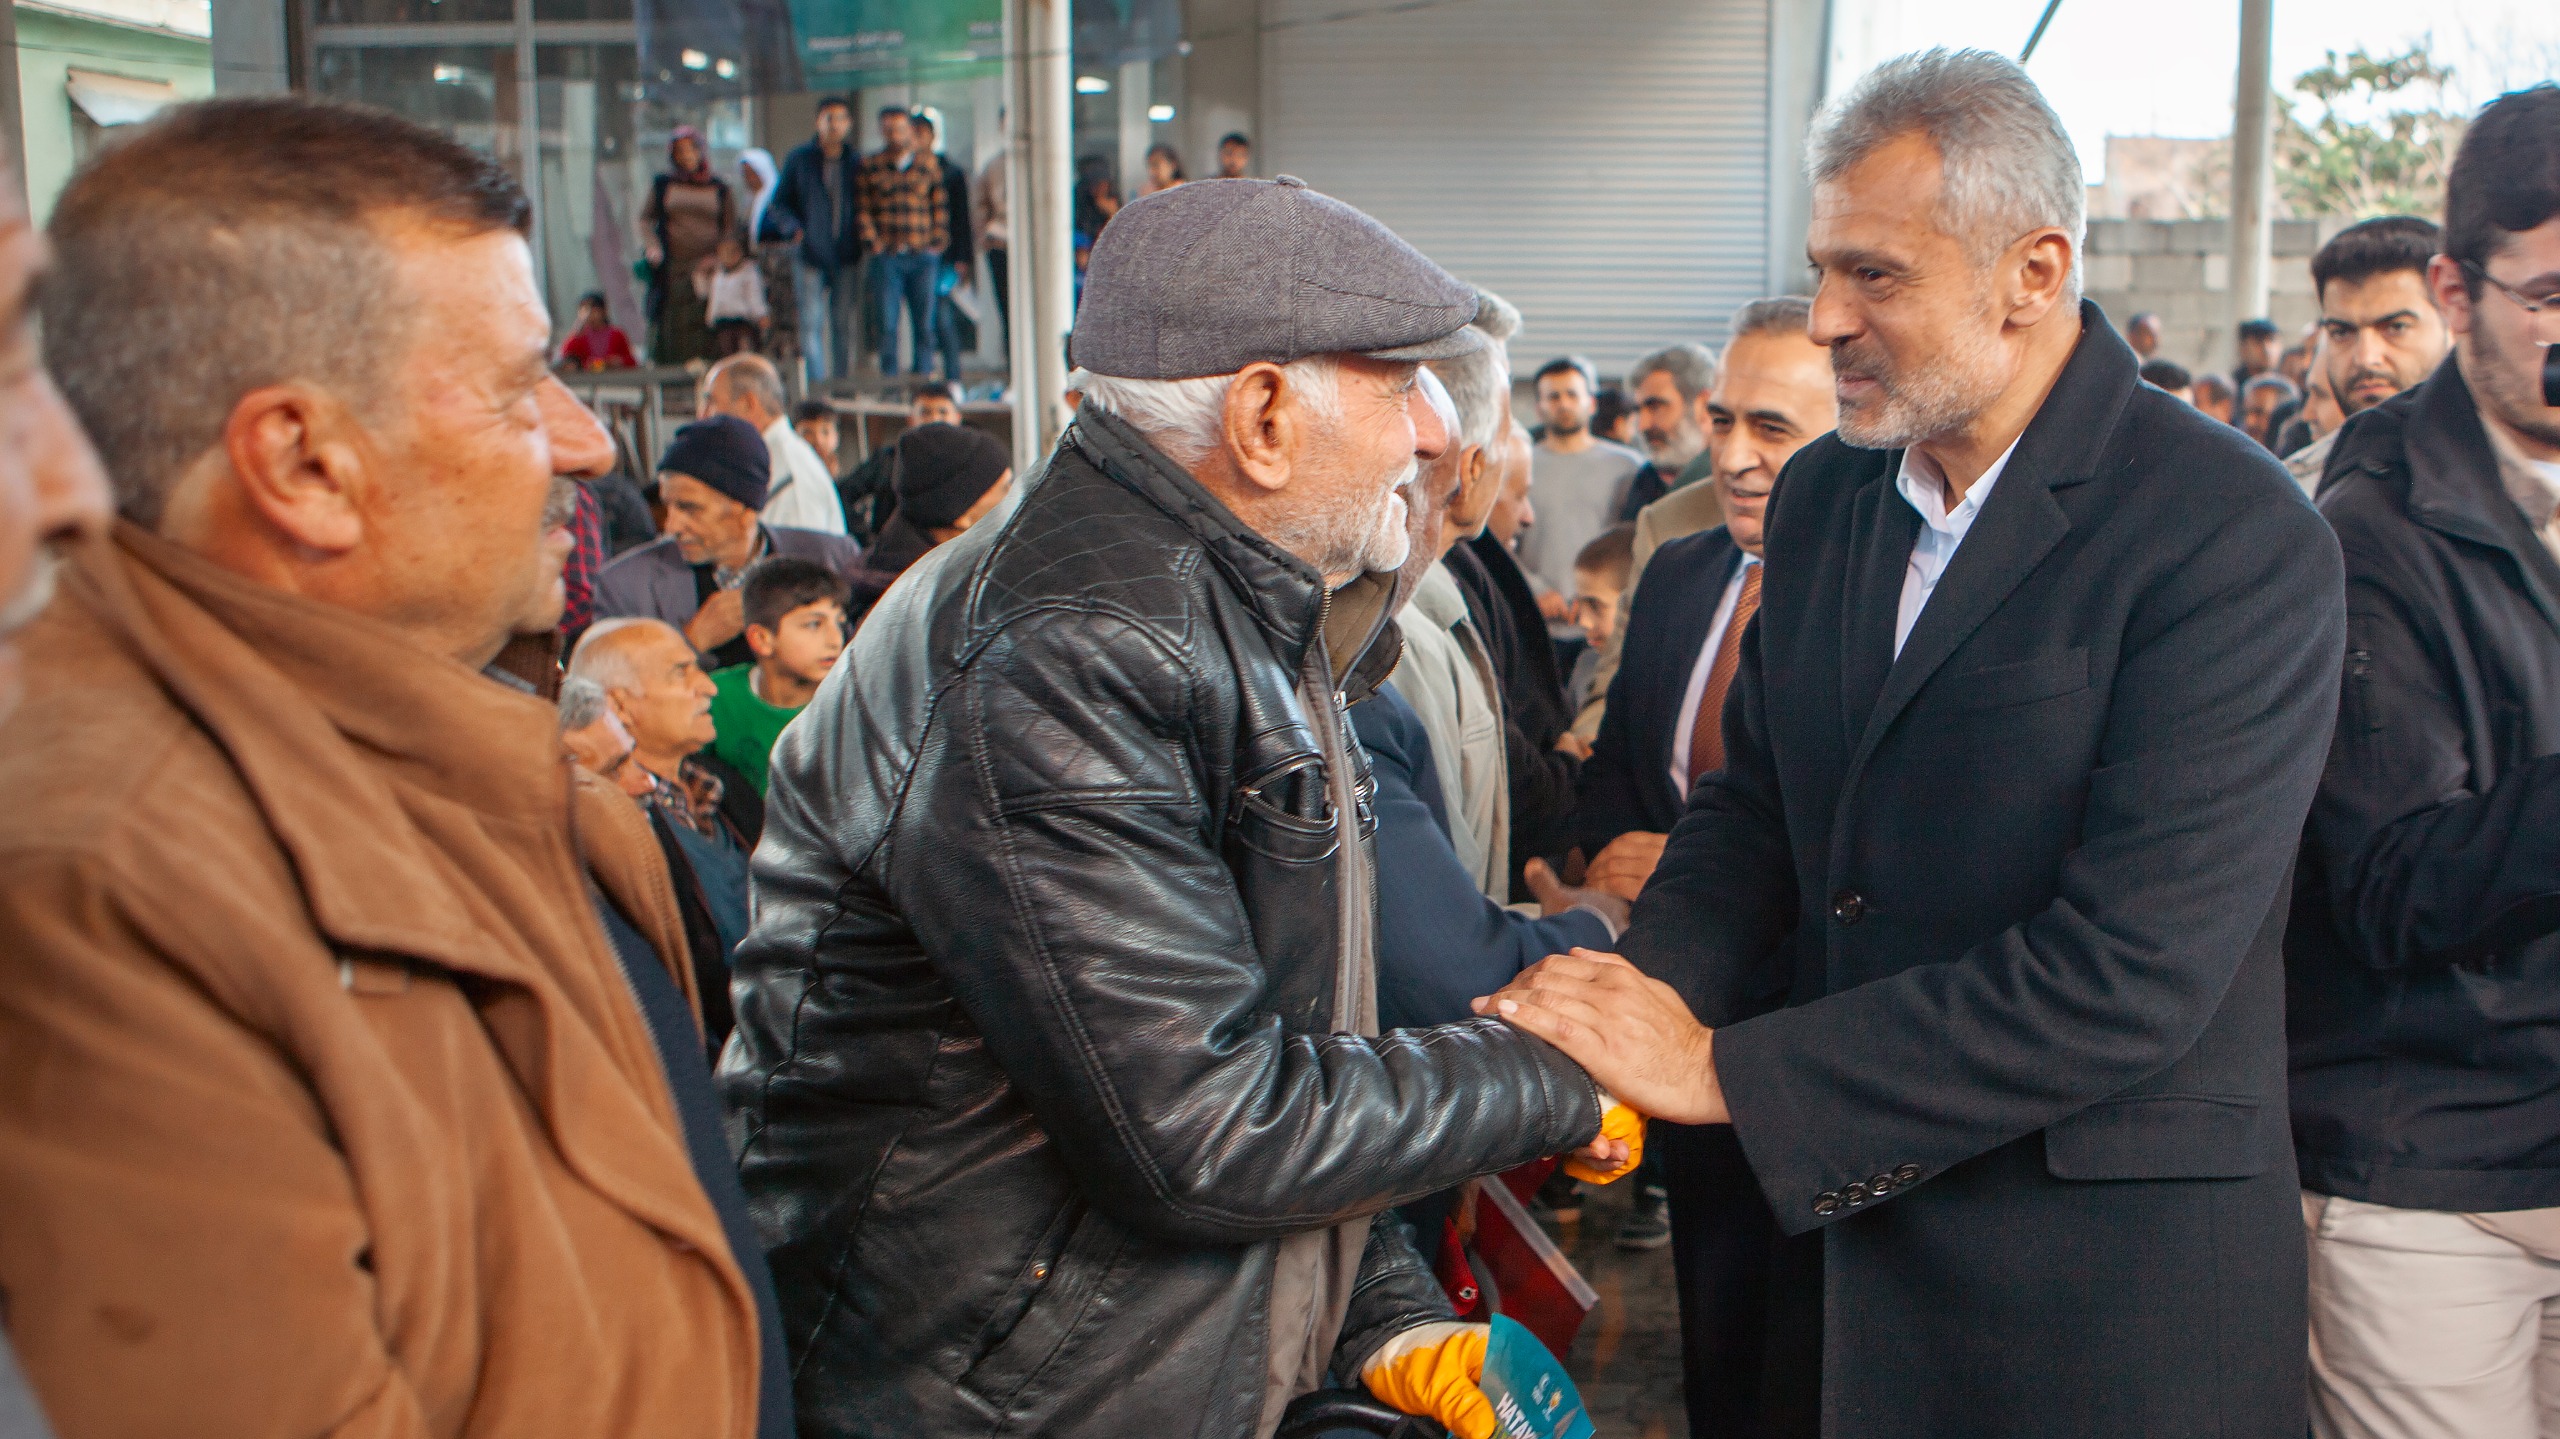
(1633, 1033)
(1554, 896)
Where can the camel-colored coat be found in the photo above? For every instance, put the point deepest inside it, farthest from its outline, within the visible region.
(325, 1108)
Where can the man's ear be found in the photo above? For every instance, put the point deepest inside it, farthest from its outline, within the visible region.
(2039, 269)
(2452, 291)
(1476, 474)
(1262, 416)
(298, 457)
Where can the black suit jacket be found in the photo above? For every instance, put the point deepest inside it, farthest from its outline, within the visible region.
(2023, 889)
(1626, 784)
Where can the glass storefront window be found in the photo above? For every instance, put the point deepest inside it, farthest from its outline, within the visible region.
(413, 12)
(468, 91)
(544, 10)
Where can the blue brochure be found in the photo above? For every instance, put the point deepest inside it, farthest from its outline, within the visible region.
(1532, 1398)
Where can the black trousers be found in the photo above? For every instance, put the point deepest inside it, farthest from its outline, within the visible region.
(1750, 1299)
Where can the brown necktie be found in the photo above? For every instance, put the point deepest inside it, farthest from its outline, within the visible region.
(1706, 732)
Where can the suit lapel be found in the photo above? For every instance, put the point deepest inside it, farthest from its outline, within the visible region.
(1700, 594)
(1881, 529)
(2020, 523)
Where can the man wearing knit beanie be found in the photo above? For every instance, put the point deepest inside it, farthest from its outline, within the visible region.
(712, 477)
(946, 478)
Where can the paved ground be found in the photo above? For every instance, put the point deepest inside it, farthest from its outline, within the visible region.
(1626, 1360)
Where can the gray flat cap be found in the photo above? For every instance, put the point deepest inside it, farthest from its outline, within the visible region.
(1209, 277)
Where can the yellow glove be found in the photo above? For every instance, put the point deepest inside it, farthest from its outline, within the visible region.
(1433, 1369)
(1616, 1122)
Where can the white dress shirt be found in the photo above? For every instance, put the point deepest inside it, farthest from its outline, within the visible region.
(1696, 694)
(1924, 486)
(803, 496)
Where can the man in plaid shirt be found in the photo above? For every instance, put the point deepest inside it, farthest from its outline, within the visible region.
(903, 222)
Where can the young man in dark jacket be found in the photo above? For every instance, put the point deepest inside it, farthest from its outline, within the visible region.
(1057, 1085)
(814, 205)
(2424, 956)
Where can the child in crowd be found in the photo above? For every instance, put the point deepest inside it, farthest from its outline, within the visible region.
(1600, 573)
(598, 343)
(795, 612)
(815, 420)
(732, 289)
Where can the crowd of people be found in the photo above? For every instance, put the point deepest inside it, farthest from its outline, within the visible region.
(2040, 869)
(823, 258)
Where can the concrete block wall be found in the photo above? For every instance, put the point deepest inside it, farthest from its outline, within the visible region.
(2181, 271)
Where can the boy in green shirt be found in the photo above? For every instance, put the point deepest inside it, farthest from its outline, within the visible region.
(795, 629)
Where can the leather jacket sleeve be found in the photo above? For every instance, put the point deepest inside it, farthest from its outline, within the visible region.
(1396, 1291)
(1066, 872)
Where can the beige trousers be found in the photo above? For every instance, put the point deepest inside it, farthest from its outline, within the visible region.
(2426, 1326)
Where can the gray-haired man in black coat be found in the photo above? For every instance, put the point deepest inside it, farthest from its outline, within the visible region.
(1975, 939)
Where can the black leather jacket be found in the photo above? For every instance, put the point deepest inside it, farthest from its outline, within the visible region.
(1037, 1060)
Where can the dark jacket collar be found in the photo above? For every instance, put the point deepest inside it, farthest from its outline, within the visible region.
(2455, 487)
(2068, 439)
(1285, 594)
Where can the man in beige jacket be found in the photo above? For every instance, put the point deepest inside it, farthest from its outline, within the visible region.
(339, 1094)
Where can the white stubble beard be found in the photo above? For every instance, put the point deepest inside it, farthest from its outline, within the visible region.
(20, 610)
(1937, 398)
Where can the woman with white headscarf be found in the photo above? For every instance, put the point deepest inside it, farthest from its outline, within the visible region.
(756, 172)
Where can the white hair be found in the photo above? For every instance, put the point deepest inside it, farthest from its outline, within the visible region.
(1187, 418)
(1691, 366)
(605, 661)
(1477, 383)
(2009, 166)
(1776, 315)
(582, 701)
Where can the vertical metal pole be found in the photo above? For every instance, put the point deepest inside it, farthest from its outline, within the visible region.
(1040, 93)
(1136, 91)
(2252, 166)
(529, 132)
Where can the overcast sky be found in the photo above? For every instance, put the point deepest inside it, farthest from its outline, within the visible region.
(2166, 67)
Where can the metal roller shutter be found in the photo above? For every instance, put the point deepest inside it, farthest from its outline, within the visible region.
(1602, 165)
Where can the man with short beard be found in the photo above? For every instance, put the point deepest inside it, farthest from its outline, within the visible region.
(2380, 331)
(1974, 937)
(2424, 958)
(1057, 1082)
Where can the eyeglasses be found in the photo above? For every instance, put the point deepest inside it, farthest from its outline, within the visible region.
(2528, 303)
(2545, 308)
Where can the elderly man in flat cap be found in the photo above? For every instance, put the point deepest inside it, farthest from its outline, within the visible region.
(1057, 1083)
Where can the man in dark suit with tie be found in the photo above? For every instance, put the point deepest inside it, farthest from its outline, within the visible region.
(1975, 939)
(1682, 642)
(1681, 650)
